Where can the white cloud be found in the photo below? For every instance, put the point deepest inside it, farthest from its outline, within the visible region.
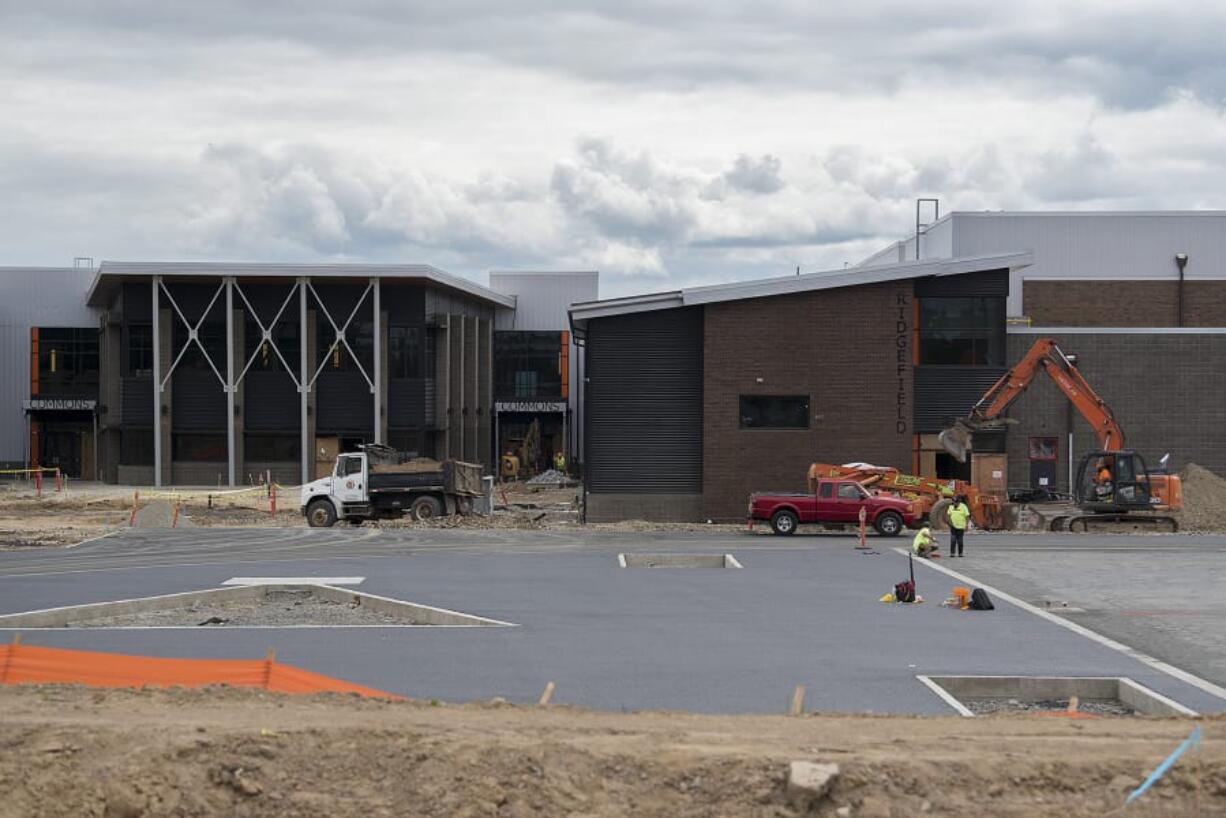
(662, 143)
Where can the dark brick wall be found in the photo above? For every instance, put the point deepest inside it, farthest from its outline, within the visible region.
(1123, 303)
(1167, 392)
(842, 348)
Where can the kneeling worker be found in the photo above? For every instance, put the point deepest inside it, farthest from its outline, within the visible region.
(923, 545)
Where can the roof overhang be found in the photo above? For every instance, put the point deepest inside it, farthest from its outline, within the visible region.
(111, 274)
(581, 313)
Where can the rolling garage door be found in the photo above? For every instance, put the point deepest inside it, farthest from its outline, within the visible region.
(643, 403)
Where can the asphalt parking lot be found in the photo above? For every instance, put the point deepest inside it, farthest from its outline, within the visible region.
(803, 610)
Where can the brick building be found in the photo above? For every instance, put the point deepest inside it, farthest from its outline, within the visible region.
(697, 397)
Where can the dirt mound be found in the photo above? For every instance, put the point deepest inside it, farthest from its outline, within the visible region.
(75, 751)
(1204, 500)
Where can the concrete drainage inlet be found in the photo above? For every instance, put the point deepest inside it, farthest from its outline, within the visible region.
(251, 606)
(677, 561)
(1088, 695)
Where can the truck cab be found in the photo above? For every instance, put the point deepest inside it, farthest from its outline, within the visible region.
(834, 503)
(341, 495)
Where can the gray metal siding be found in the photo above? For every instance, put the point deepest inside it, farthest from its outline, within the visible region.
(542, 299)
(344, 404)
(137, 396)
(406, 399)
(943, 393)
(32, 297)
(643, 403)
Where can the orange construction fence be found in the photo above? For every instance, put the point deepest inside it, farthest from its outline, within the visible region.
(30, 664)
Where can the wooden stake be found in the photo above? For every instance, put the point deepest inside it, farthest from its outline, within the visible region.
(546, 694)
(798, 701)
(1073, 704)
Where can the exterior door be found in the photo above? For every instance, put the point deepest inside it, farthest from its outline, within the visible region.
(61, 448)
(349, 484)
(1044, 452)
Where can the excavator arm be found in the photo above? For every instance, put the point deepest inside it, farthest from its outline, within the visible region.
(1044, 356)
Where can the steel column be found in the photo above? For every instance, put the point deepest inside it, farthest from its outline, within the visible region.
(377, 386)
(230, 376)
(308, 448)
(157, 383)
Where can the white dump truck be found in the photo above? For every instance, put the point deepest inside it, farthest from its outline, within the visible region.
(380, 482)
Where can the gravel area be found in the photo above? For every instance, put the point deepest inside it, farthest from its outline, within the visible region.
(1095, 707)
(278, 609)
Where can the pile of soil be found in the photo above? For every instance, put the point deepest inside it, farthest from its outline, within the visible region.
(146, 754)
(1204, 501)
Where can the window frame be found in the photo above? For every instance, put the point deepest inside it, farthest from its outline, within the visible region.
(743, 416)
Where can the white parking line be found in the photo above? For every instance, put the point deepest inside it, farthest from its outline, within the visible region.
(1144, 658)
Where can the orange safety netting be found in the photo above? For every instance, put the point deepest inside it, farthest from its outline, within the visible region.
(29, 664)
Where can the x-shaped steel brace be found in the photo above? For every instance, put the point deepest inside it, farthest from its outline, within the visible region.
(340, 335)
(266, 335)
(193, 336)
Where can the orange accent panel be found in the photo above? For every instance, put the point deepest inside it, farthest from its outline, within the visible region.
(33, 362)
(29, 664)
(564, 363)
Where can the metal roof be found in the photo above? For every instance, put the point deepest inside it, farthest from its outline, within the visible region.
(111, 273)
(581, 313)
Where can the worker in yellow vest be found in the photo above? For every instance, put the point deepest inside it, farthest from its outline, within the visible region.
(559, 461)
(958, 515)
(923, 545)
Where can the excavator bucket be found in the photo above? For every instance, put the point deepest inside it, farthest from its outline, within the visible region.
(957, 440)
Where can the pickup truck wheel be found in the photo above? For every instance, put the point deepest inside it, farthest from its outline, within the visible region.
(784, 523)
(426, 508)
(320, 514)
(888, 523)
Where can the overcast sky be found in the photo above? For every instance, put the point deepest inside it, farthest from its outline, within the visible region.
(664, 144)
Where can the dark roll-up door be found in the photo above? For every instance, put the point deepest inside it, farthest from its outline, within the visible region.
(643, 403)
(943, 393)
(271, 402)
(344, 403)
(198, 402)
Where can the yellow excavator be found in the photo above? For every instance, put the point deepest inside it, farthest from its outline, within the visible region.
(1113, 484)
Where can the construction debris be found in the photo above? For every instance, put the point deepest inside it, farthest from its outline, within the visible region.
(549, 477)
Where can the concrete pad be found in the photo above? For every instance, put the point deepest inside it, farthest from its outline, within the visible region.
(809, 783)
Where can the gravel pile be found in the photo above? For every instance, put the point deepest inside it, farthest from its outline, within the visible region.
(548, 477)
(1204, 500)
(1096, 707)
(278, 609)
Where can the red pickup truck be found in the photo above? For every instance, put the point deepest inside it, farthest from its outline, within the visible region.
(835, 503)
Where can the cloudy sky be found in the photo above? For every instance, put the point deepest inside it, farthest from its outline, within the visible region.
(664, 144)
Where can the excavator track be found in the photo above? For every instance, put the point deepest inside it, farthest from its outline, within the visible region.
(1085, 522)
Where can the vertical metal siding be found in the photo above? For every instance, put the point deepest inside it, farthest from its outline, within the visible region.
(198, 401)
(643, 403)
(270, 402)
(32, 297)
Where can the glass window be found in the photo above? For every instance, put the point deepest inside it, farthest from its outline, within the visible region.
(405, 352)
(349, 465)
(68, 361)
(194, 447)
(1042, 448)
(850, 491)
(528, 365)
(962, 331)
(272, 448)
(212, 336)
(826, 491)
(774, 411)
(359, 337)
(140, 350)
(284, 335)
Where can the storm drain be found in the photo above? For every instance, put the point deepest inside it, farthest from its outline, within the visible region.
(1095, 695)
(677, 561)
(251, 606)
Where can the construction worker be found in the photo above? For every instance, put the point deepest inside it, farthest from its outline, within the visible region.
(559, 461)
(958, 515)
(923, 545)
(1103, 481)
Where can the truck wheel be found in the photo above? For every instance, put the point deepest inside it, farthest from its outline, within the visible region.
(320, 514)
(888, 524)
(936, 517)
(464, 505)
(784, 522)
(426, 508)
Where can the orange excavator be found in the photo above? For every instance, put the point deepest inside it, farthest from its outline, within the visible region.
(931, 495)
(1113, 484)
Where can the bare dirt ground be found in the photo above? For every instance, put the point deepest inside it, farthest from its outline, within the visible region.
(79, 752)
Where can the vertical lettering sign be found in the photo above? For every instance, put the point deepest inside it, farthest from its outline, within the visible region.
(903, 359)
